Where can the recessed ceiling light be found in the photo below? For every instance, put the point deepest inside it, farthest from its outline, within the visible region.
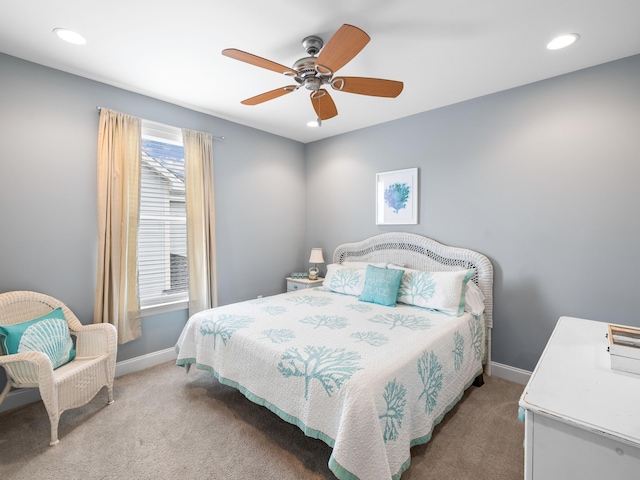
(563, 41)
(69, 36)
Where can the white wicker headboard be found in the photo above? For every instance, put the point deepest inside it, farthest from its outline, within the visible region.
(422, 253)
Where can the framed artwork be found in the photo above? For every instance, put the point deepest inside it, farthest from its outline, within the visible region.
(397, 197)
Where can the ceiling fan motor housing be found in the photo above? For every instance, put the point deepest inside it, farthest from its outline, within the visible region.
(308, 75)
(305, 67)
(312, 83)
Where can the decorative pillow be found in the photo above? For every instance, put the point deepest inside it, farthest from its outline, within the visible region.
(48, 334)
(343, 279)
(441, 291)
(381, 286)
(473, 299)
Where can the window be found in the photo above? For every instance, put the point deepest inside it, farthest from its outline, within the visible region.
(162, 235)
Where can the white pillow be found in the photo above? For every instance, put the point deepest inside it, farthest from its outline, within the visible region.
(344, 279)
(441, 291)
(473, 299)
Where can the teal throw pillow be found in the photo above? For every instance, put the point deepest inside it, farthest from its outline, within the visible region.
(381, 285)
(48, 334)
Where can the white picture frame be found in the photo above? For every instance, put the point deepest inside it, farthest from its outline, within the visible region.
(397, 197)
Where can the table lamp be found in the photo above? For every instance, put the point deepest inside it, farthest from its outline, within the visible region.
(315, 258)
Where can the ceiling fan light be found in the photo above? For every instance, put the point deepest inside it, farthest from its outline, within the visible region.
(563, 41)
(70, 36)
(315, 123)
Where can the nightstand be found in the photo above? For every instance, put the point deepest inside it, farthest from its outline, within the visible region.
(300, 283)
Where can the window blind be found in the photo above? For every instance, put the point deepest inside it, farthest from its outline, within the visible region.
(162, 234)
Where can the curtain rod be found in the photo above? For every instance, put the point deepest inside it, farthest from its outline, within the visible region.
(212, 136)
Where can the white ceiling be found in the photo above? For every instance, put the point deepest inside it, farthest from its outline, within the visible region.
(444, 51)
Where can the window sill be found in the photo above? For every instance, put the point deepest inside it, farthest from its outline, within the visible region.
(164, 308)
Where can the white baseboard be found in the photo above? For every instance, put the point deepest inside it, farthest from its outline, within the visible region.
(145, 361)
(20, 397)
(512, 374)
(24, 396)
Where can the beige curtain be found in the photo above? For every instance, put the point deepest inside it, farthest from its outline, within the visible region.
(201, 220)
(116, 299)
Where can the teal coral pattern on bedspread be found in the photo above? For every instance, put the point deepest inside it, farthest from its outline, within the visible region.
(412, 322)
(329, 366)
(458, 350)
(369, 380)
(372, 338)
(279, 335)
(223, 326)
(477, 334)
(394, 398)
(430, 371)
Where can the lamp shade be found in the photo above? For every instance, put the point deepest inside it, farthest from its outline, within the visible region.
(316, 256)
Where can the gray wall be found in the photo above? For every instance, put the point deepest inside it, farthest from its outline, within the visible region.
(48, 225)
(543, 179)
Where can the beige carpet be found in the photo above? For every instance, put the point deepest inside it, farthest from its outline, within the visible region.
(168, 425)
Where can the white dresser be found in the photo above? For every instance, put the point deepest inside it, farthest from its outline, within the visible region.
(582, 419)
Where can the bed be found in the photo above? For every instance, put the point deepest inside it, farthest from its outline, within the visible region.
(370, 379)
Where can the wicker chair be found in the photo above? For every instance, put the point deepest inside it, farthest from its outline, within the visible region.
(71, 385)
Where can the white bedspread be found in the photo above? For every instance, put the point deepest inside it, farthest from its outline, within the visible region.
(371, 381)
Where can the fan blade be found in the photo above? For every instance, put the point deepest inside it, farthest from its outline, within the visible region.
(323, 104)
(263, 97)
(345, 44)
(376, 87)
(258, 61)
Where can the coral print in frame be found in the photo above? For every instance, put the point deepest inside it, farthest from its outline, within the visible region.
(397, 197)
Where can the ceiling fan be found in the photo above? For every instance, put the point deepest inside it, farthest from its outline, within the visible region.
(314, 72)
